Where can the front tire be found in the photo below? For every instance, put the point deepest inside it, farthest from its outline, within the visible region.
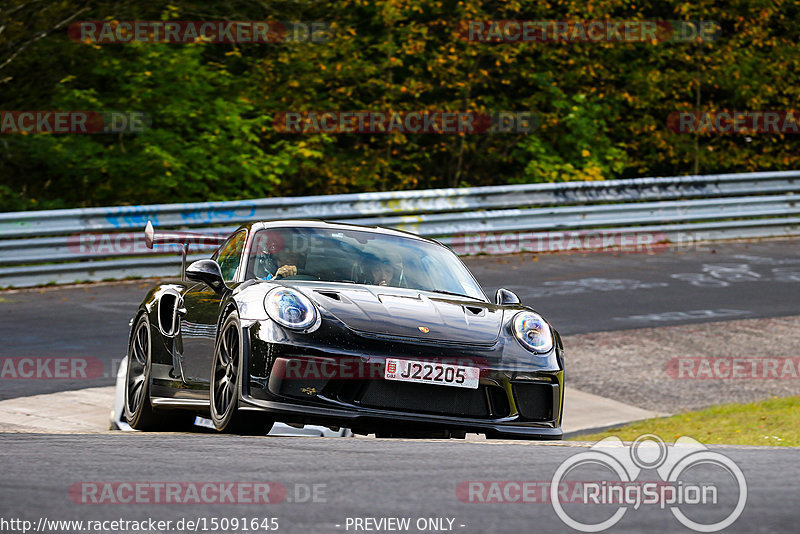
(225, 385)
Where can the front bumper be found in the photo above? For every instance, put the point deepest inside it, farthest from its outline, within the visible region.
(377, 421)
(509, 402)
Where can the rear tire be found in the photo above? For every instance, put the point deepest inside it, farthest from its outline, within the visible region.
(225, 385)
(138, 410)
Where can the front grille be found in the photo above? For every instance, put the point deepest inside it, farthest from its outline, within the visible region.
(535, 401)
(425, 398)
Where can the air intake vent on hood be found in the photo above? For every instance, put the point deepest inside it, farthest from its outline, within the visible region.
(330, 294)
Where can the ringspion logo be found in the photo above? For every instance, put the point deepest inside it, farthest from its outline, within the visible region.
(692, 492)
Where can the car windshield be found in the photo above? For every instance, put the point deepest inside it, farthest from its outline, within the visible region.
(358, 257)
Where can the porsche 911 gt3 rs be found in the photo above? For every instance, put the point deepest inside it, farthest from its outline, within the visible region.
(309, 322)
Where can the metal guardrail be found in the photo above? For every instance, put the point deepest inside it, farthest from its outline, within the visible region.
(61, 246)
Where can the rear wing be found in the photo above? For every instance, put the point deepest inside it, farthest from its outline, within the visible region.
(184, 239)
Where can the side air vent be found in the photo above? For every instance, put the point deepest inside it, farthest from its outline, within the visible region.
(167, 313)
(475, 310)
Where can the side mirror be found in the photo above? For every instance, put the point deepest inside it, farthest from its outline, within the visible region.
(208, 272)
(505, 297)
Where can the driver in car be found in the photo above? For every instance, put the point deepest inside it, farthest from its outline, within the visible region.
(288, 260)
(275, 260)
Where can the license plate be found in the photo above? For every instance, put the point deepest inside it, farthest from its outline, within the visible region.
(444, 374)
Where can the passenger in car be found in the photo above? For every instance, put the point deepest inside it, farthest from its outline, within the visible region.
(380, 272)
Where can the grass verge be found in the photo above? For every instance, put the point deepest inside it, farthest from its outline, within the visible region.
(771, 422)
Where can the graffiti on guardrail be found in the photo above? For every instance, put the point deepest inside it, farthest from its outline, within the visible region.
(219, 215)
(133, 216)
(138, 216)
(496, 219)
(633, 190)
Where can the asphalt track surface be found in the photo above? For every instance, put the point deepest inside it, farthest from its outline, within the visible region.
(577, 293)
(370, 478)
(357, 478)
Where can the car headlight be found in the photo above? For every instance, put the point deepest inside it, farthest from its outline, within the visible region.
(533, 332)
(290, 308)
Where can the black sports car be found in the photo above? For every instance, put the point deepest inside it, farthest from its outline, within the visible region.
(309, 322)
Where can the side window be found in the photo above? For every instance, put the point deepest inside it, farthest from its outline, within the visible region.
(230, 255)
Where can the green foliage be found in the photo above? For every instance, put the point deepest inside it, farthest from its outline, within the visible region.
(601, 107)
(575, 148)
(205, 141)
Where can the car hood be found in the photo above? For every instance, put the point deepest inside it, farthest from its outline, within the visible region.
(410, 313)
